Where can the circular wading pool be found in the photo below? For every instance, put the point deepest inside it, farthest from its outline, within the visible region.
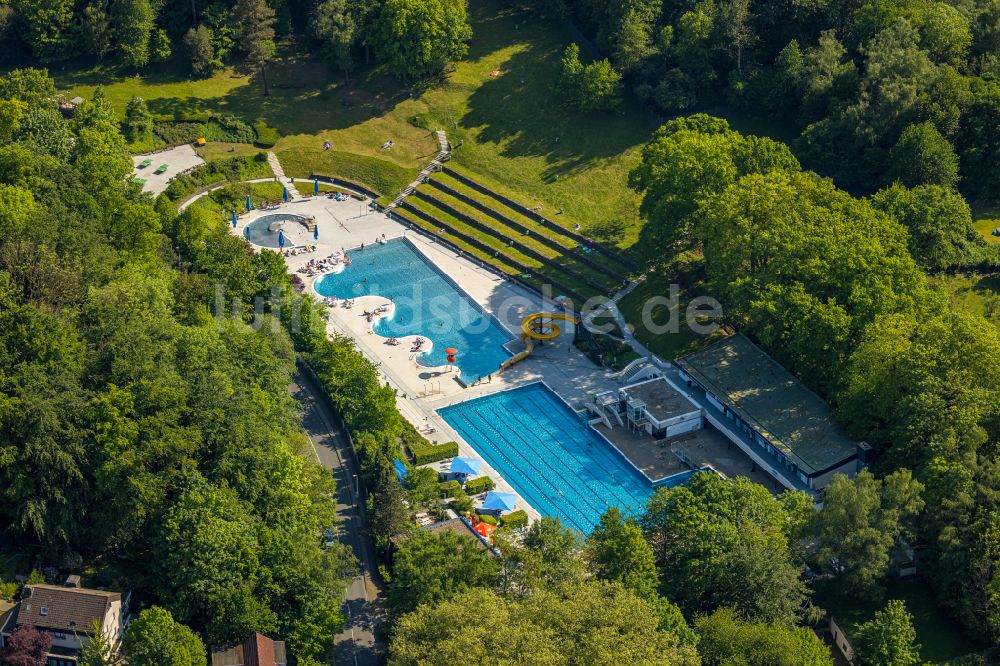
(264, 230)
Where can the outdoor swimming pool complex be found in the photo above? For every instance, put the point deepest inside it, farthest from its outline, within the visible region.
(427, 303)
(555, 461)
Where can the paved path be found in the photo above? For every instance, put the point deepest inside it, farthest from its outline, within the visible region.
(355, 645)
(443, 155)
(275, 165)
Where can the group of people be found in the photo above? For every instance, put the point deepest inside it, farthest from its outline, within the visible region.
(295, 251)
(269, 205)
(374, 313)
(338, 196)
(418, 344)
(345, 303)
(326, 265)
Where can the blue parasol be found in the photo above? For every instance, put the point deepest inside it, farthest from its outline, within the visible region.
(284, 194)
(316, 232)
(249, 207)
(281, 238)
(316, 187)
(466, 466)
(234, 219)
(246, 231)
(496, 501)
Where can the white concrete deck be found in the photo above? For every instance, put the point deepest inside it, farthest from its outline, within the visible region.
(422, 390)
(179, 159)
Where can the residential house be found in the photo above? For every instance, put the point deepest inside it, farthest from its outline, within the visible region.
(68, 613)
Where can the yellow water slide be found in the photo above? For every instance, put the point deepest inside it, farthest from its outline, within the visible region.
(539, 326)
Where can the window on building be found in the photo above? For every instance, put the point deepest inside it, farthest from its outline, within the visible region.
(44, 610)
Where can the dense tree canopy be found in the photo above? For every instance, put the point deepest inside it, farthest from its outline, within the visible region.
(729, 543)
(429, 568)
(590, 623)
(726, 638)
(136, 429)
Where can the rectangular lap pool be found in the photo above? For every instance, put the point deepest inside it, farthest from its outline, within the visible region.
(556, 462)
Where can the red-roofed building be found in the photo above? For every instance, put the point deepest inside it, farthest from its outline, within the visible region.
(258, 650)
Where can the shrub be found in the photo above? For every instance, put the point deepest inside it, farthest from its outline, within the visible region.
(8, 590)
(428, 453)
(480, 485)
(178, 133)
(233, 169)
(267, 136)
(461, 502)
(488, 519)
(229, 128)
(516, 519)
(450, 489)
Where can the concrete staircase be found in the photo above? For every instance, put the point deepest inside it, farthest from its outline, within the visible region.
(279, 173)
(443, 155)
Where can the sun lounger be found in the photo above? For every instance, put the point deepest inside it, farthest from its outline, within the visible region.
(145, 163)
(162, 168)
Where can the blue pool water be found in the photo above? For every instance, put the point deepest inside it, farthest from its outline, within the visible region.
(558, 464)
(427, 304)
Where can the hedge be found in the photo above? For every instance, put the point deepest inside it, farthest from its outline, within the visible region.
(480, 485)
(267, 136)
(516, 519)
(488, 519)
(428, 453)
(450, 488)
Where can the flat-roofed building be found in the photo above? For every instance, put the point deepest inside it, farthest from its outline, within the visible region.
(659, 409)
(774, 418)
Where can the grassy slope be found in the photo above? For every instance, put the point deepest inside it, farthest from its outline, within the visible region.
(512, 132)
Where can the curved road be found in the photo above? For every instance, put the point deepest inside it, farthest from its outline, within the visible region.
(356, 644)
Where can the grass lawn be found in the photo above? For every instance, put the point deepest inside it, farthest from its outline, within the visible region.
(690, 284)
(972, 292)
(985, 228)
(940, 637)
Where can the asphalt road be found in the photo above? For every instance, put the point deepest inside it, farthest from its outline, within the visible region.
(356, 644)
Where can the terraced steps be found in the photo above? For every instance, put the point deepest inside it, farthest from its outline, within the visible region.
(505, 202)
(551, 271)
(533, 250)
(605, 271)
(507, 263)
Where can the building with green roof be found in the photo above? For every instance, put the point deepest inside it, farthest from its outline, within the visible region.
(772, 416)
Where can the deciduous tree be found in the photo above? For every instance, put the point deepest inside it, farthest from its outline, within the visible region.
(419, 38)
(889, 639)
(255, 32)
(430, 568)
(154, 638)
(859, 523)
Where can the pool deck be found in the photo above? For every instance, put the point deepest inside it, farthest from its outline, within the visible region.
(422, 390)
